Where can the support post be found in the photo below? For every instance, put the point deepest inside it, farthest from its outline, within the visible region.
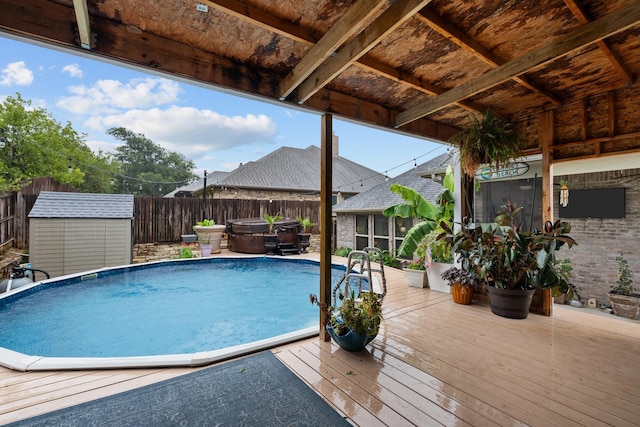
(204, 197)
(547, 135)
(326, 190)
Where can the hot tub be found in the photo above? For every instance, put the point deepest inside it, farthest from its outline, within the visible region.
(246, 235)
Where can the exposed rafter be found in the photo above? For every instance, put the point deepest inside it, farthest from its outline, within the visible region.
(617, 63)
(82, 17)
(469, 44)
(392, 18)
(351, 23)
(585, 35)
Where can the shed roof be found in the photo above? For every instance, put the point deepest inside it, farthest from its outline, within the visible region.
(381, 197)
(51, 204)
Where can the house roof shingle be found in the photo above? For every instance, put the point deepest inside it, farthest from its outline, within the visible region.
(51, 204)
(296, 169)
(380, 197)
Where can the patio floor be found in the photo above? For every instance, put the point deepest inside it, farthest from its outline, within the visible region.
(433, 363)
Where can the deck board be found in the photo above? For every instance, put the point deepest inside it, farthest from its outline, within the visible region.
(433, 363)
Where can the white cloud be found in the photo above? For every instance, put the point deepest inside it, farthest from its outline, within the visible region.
(194, 132)
(16, 73)
(112, 96)
(73, 70)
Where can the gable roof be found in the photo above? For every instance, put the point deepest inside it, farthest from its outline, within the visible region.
(51, 204)
(213, 178)
(380, 197)
(295, 169)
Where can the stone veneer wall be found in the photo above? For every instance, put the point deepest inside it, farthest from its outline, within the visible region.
(346, 230)
(601, 240)
(250, 194)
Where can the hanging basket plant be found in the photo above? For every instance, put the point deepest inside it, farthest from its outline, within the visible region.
(493, 141)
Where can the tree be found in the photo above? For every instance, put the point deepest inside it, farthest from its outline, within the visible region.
(147, 168)
(33, 144)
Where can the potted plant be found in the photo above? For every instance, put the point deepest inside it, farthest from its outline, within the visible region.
(209, 236)
(439, 257)
(416, 270)
(355, 323)
(624, 301)
(430, 215)
(492, 141)
(304, 238)
(271, 239)
(463, 284)
(511, 262)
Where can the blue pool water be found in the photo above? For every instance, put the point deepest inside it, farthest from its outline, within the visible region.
(168, 308)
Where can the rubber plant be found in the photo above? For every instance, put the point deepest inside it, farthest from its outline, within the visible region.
(491, 141)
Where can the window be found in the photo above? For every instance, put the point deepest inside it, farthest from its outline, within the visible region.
(362, 231)
(402, 225)
(381, 232)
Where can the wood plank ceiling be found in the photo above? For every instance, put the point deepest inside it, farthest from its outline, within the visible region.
(414, 66)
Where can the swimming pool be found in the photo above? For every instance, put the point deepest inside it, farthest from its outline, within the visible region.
(171, 313)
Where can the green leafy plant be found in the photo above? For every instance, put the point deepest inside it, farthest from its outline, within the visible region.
(186, 251)
(388, 258)
(416, 206)
(624, 284)
(503, 256)
(271, 221)
(440, 248)
(305, 223)
(492, 141)
(342, 251)
(206, 223)
(362, 315)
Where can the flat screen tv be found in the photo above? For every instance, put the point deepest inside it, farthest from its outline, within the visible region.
(596, 203)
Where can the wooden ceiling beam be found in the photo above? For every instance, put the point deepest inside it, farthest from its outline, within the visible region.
(53, 24)
(590, 33)
(396, 75)
(617, 63)
(286, 29)
(82, 17)
(267, 21)
(352, 22)
(472, 46)
(389, 20)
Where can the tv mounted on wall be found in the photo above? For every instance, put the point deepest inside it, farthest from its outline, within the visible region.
(595, 203)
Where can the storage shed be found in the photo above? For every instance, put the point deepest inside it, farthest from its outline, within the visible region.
(74, 232)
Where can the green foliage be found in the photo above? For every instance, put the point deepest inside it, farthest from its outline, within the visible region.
(361, 316)
(271, 220)
(305, 223)
(156, 170)
(34, 145)
(186, 251)
(493, 141)
(416, 206)
(440, 248)
(507, 258)
(388, 258)
(206, 223)
(624, 284)
(342, 251)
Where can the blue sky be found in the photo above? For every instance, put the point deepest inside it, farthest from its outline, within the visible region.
(216, 130)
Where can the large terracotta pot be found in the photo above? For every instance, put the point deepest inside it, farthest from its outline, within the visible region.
(461, 294)
(510, 303)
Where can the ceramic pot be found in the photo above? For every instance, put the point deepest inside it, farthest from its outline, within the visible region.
(461, 294)
(350, 341)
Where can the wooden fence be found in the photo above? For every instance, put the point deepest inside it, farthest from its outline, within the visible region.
(156, 219)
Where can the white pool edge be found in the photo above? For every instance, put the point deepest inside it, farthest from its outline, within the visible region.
(24, 362)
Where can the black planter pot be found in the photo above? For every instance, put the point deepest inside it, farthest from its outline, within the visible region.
(270, 243)
(304, 240)
(510, 303)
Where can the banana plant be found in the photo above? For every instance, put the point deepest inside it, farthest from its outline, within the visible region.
(416, 206)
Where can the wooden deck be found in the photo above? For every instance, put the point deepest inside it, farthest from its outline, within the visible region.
(433, 363)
